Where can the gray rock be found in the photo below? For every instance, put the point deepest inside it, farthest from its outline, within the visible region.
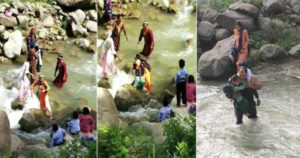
(5, 139)
(206, 32)
(48, 21)
(228, 19)
(153, 129)
(14, 44)
(272, 7)
(295, 51)
(76, 3)
(8, 21)
(78, 16)
(5, 35)
(92, 14)
(216, 63)
(270, 51)
(107, 110)
(264, 22)
(222, 34)
(245, 8)
(92, 26)
(296, 6)
(17, 144)
(22, 19)
(154, 104)
(77, 30)
(44, 33)
(207, 15)
(2, 28)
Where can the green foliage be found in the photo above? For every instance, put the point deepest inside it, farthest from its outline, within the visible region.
(76, 149)
(258, 3)
(38, 154)
(182, 150)
(116, 143)
(220, 5)
(6, 156)
(275, 33)
(179, 131)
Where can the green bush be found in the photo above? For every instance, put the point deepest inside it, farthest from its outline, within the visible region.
(6, 156)
(122, 143)
(38, 154)
(220, 5)
(180, 131)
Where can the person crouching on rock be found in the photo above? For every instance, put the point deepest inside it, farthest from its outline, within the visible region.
(57, 136)
(166, 111)
(74, 124)
(8, 12)
(86, 125)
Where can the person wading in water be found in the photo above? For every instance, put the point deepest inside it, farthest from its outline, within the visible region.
(147, 34)
(119, 26)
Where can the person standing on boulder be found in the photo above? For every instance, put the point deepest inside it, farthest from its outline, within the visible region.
(32, 58)
(62, 76)
(118, 27)
(31, 39)
(241, 42)
(147, 34)
(252, 85)
(24, 83)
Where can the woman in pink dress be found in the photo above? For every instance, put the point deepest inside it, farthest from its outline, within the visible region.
(86, 123)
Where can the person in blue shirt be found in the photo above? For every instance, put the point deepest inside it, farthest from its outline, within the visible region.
(165, 111)
(57, 137)
(180, 81)
(74, 124)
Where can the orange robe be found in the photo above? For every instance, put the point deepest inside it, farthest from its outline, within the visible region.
(243, 54)
(42, 94)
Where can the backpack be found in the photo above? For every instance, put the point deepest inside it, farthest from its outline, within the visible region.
(228, 91)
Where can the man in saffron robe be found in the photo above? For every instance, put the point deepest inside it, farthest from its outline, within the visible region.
(147, 34)
(62, 76)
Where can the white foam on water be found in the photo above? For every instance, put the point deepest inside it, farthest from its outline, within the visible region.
(7, 96)
(184, 13)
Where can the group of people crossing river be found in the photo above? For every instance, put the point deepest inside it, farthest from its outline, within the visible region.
(30, 75)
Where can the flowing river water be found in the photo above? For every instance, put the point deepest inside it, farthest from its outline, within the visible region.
(274, 134)
(170, 34)
(79, 89)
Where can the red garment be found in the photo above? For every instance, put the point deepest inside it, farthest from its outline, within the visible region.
(86, 123)
(62, 76)
(191, 92)
(149, 42)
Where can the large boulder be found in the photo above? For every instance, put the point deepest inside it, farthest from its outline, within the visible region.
(92, 26)
(2, 28)
(34, 119)
(270, 51)
(78, 16)
(107, 110)
(228, 19)
(23, 20)
(215, 63)
(295, 51)
(92, 14)
(272, 7)
(128, 96)
(44, 33)
(17, 144)
(296, 6)
(222, 34)
(206, 31)
(14, 44)
(77, 30)
(8, 21)
(5, 139)
(76, 3)
(48, 21)
(245, 8)
(207, 15)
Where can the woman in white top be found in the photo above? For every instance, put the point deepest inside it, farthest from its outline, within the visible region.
(23, 81)
(108, 55)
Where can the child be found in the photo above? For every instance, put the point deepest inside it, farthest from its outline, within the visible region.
(165, 111)
(180, 80)
(57, 137)
(137, 71)
(74, 124)
(86, 123)
(191, 94)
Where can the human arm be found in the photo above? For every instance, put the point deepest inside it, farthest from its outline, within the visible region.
(239, 88)
(152, 39)
(124, 30)
(47, 87)
(56, 68)
(245, 40)
(140, 37)
(65, 72)
(254, 84)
